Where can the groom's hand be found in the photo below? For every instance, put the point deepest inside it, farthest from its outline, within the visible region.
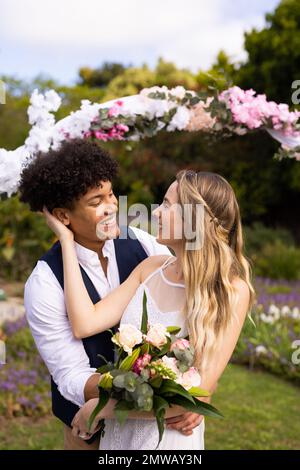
(184, 423)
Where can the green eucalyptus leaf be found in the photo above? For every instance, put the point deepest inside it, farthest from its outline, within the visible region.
(121, 411)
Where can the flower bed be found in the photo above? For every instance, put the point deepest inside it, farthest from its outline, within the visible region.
(25, 384)
(271, 343)
(24, 380)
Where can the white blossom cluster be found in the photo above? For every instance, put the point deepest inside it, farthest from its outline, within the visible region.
(40, 139)
(276, 313)
(168, 109)
(46, 134)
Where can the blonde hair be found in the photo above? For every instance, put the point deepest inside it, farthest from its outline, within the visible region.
(209, 271)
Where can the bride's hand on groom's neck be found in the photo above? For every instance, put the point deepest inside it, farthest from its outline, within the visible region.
(62, 232)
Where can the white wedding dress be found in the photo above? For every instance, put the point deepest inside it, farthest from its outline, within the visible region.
(165, 300)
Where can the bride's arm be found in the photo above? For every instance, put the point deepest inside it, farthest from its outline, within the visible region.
(86, 318)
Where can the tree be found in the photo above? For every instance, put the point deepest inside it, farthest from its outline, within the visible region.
(274, 54)
(221, 74)
(169, 75)
(101, 76)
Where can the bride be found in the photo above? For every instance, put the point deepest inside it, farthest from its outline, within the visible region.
(206, 291)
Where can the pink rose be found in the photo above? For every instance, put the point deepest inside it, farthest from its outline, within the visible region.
(190, 378)
(141, 363)
(181, 344)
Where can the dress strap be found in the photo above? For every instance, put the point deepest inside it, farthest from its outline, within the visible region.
(166, 263)
(156, 271)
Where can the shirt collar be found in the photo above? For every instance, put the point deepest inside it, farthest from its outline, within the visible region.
(89, 257)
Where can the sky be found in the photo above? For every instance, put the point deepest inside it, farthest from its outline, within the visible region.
(55, 38)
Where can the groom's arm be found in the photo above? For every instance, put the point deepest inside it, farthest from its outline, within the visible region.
(64, 355)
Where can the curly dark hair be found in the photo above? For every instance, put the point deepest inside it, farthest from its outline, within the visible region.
(59, 177)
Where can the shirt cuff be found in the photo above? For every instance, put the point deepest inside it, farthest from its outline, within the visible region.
(73, 389)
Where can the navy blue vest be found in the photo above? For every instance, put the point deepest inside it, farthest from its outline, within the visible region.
(129, 253)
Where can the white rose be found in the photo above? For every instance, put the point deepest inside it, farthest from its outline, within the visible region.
(128, 337)
(171, 363)
(157, 335)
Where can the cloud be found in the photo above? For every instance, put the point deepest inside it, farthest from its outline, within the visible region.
(189, 32)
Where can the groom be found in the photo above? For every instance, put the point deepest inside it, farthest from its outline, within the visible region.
(75, 184)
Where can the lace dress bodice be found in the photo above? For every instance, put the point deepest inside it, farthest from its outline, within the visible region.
(165, 301)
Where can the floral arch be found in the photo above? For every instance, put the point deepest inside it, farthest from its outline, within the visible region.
(234, 111)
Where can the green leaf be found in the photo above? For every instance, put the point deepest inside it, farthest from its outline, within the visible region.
(103, 357)
(198, 392)
(199, 407)
(103, 399)
(160, 406)
(173, 329)
(195, 100)
(144, 324)
(105, 368)
(145, 349)
(121, 411)
(119, 380)
(170, 388)
(128, 362)
(156, 381)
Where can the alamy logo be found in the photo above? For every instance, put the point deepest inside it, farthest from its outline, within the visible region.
(2, 93)
(2, 352)
(296, 354)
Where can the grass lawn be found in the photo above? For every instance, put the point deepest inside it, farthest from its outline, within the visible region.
(261, 412)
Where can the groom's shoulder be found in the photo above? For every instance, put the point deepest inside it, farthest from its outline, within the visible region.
(42, 268)
(41, 274)
(53, 252)
(149, 242)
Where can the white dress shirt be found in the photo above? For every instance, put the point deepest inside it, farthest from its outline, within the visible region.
(63, 354)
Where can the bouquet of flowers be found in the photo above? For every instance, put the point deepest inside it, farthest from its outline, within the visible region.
(153, 371)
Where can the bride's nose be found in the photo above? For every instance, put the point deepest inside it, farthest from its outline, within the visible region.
(156, 212)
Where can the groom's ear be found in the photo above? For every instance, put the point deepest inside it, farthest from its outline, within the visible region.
(62, 215)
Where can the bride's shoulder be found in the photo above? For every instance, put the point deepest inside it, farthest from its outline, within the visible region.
(150, 264)
(241, 286)
(243, 292)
